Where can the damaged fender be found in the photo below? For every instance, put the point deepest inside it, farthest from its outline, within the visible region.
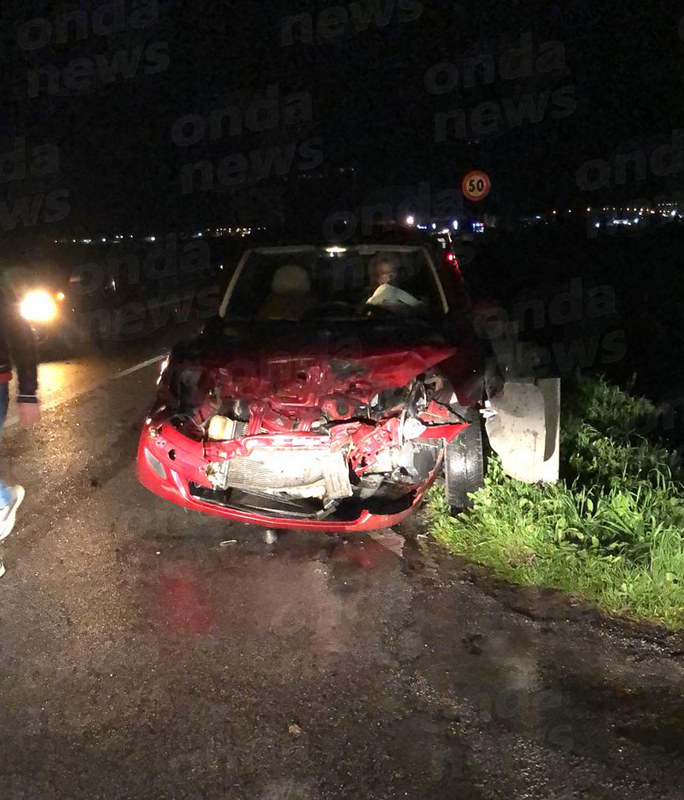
(523, 428)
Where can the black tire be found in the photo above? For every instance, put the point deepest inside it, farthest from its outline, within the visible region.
(464, 466)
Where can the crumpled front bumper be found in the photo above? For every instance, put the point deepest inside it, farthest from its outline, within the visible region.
(171, 466)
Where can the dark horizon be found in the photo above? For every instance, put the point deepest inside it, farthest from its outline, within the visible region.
(226, 109)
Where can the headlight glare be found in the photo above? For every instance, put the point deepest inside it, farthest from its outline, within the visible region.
(38, 306)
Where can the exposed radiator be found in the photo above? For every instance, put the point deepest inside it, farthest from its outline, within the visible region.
(295, 473)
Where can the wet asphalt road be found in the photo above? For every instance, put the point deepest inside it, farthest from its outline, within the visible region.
(150, 653)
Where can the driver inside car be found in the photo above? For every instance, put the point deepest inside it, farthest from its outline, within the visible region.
(290, 297)
(384, 274)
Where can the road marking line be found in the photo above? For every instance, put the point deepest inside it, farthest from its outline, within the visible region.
(142, 365)
(13, 418)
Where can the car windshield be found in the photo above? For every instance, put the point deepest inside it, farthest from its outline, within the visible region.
(334, 282)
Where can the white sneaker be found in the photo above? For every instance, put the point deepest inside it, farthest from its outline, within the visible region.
(2, 567)
(8, 514)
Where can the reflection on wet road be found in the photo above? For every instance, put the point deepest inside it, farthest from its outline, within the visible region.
(61, 381)
(149, 652)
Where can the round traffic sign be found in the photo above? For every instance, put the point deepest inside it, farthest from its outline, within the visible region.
(476, 185)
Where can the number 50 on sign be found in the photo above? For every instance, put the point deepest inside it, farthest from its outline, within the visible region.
(476, 185)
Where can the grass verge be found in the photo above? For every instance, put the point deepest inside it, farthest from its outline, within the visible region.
(610, 531)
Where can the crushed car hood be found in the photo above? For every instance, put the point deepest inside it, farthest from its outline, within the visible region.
(297, 375)
(291, 377)
(301, 373)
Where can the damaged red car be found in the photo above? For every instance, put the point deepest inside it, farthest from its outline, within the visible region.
(333, 387)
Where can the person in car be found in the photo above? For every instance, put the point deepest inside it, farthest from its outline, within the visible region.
(384, 274)
(16, 346)
(290, 297)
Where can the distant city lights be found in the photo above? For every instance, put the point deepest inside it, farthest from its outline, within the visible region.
(609, 219)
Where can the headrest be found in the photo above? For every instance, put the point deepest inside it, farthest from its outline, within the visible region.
(290, 279)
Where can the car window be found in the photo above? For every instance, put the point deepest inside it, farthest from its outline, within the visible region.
(335, 282)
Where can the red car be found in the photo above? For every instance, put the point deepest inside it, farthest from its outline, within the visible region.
(333, 387)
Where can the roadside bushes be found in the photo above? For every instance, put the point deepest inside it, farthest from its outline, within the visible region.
(610, 531)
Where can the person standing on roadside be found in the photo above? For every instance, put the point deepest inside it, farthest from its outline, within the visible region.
(17, 347)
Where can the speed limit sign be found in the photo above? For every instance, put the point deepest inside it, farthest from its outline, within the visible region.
(476, 185)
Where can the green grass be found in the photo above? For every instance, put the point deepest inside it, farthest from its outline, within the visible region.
(610, 531)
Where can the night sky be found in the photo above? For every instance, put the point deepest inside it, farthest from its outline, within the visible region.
(365, 101)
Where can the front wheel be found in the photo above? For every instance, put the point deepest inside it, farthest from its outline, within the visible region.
(464, 466)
